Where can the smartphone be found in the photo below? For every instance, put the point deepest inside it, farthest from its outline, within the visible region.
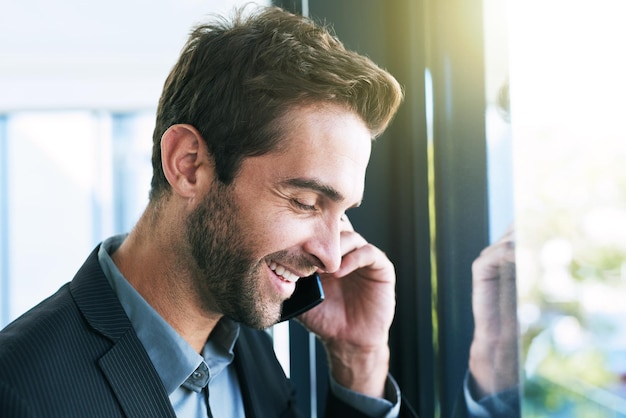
(308, 294)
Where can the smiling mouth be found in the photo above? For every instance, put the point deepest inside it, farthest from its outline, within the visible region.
(282, 272)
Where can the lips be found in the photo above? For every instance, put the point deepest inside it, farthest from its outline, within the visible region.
(283, 272)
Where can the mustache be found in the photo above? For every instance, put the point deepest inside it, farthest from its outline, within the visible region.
(299, 262)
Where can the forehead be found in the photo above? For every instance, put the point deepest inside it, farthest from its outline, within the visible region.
(329, 133)
(325, 143)
(327, 124)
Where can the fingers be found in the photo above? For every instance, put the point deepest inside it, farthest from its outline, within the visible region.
(367, 257)
(346, 225)
(492, 259)
(358, 254)
(509, 234)
(350, 241)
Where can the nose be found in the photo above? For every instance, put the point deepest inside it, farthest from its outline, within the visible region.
(325, 245)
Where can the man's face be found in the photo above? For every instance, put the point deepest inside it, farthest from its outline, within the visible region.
(280, 219)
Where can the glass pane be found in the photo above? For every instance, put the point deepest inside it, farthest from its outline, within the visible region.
(567, 91)
(71, 180)
(53, 172)
(4, 223)
(497, 119)
(132, 173)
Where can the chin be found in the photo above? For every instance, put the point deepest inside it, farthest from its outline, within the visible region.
(260, 318)
(261, 324)
(269, 320)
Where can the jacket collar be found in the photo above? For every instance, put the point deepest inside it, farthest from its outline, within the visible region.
(126, 365)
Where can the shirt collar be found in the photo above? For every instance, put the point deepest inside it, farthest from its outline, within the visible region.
(175, 361)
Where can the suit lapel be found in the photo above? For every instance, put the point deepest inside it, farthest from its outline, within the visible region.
(126, 365)
(134, 380)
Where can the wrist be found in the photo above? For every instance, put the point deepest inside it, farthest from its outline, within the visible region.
(363, 370)
(494, 365)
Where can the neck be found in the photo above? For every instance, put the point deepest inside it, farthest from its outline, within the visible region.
(148, 259)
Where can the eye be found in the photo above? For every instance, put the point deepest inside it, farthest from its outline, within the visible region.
(303, 206)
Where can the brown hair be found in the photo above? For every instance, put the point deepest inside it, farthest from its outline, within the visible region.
(233, 81)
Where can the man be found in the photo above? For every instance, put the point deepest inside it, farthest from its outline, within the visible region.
(262, 139)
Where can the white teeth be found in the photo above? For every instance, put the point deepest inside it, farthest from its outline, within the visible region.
(287, 275)
(283, 272)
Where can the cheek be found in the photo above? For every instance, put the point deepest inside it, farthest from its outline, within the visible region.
(281, 232)
(269, 226)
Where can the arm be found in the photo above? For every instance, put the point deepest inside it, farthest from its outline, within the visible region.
(493, 363)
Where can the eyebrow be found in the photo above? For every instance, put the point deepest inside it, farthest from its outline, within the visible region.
(317, 186)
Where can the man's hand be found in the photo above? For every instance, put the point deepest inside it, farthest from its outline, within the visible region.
(353, 321)
(494, 351)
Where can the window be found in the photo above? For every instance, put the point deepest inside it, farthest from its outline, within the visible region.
(567, 91)
(72, 179)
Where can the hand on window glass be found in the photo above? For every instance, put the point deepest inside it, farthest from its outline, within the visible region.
(494, 351)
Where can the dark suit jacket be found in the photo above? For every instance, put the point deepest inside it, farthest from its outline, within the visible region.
(77, 355)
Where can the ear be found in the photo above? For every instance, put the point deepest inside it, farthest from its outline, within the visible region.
(185, 158)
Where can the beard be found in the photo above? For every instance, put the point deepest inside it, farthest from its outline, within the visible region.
(228, 279)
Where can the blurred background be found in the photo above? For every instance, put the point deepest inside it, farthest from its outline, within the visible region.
(567, 91)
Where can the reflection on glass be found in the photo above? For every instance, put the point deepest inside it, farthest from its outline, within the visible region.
(567, 91)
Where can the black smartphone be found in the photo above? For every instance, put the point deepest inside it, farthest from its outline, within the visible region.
(308, 294)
